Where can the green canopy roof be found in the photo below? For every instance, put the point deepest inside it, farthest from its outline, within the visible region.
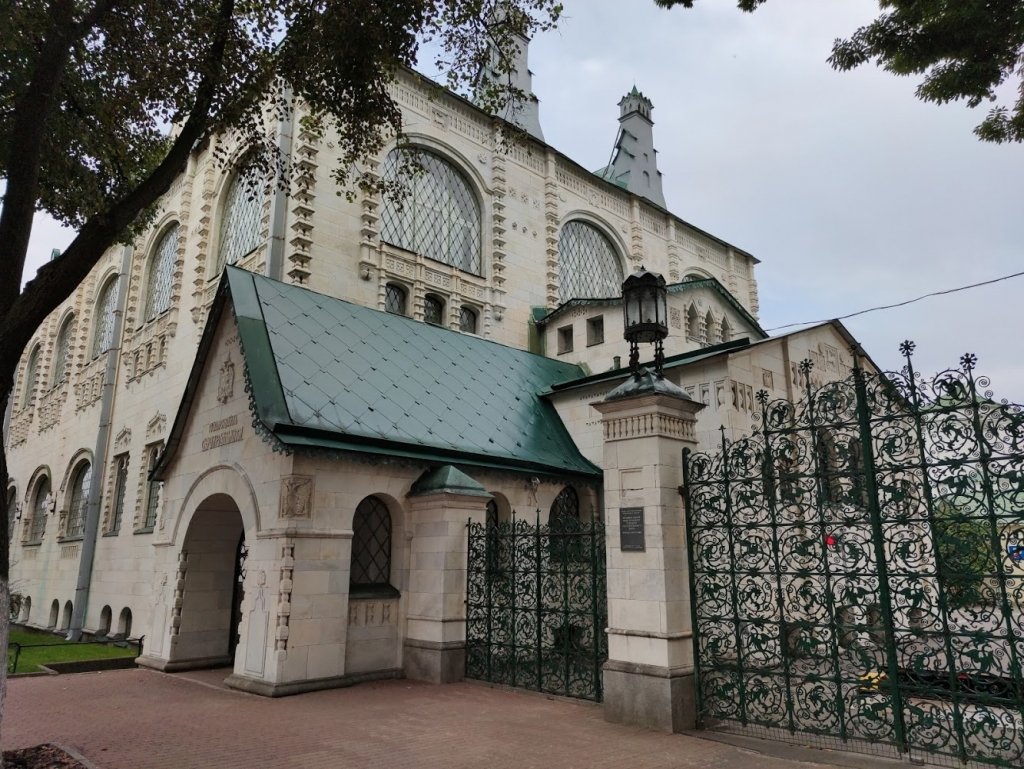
(326, 373)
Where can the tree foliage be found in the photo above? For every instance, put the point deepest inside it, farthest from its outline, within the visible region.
(962, 49)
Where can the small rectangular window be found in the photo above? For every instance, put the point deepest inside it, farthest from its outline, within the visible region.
(564, 339)
(595, 331)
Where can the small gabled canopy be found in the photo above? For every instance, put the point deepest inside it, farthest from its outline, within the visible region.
(542, 318)
(447, 480)
(326, 374)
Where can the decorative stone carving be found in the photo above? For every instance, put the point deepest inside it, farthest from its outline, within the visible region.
(226, 387)
(296, 497)
(284, 600)
(123, 439)
(155, 426)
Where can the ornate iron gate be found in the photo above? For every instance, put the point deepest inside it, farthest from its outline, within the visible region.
(537, 605)
(857, 568)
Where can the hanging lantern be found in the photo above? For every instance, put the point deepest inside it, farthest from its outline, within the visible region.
(645, 316)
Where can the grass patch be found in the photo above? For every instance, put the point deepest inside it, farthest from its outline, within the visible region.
(48, 648)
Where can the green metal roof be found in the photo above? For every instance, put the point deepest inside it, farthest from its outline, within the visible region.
(331, 374)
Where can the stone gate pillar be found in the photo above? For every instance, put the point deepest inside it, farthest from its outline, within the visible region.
(440, 503)
(648, 679)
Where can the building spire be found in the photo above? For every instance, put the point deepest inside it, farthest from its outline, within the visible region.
(634, 164)
(508, 72)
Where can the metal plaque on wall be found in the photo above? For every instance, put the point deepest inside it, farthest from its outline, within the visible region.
(631, 529)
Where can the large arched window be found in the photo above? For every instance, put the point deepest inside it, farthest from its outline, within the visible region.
(62, 351)
(31, 376)
(240, 219)
(103, 334)
(40, 508)
(161, 274)
(432, 211)
(588, 265)
(78, 499)
(371, 546)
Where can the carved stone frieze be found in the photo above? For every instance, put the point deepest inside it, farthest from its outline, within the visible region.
(296, 497)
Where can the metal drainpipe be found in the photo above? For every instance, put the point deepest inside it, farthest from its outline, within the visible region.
(279, 207)
(92, 508)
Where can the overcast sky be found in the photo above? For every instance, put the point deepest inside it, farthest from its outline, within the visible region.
(850, 191)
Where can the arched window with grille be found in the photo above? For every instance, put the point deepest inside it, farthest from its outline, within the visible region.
(588, 264)
(433, 309)
(395, 299)
(467, 320)
(430, 209)
(566, 506)
(40, 509)
(240, 219)
(62, 351)
(103, 333)
(160, 275)
(78, 499)
(31, 377)
(12, 498)
(371, 547)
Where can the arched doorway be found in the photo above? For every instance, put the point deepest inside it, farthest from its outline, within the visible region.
(211, 598)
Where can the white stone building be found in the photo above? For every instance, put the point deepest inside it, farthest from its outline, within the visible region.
(170, 412)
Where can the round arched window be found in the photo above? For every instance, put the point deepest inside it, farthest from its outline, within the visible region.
(431, 210)
(240, 219)
(588, 265)
(161, 274)
(62, 351)
(80, 484)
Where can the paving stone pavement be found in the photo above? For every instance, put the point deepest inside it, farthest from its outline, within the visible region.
(140, 719)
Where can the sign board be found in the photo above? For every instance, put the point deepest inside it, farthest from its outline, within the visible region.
(631, 529)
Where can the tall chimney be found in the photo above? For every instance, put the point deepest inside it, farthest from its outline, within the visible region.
(524, 112)
(634, 163)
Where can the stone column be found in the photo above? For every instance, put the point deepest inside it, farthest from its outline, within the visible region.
(648, 679)
(441, 502)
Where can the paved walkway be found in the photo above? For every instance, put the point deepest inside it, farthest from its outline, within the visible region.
(139, 718)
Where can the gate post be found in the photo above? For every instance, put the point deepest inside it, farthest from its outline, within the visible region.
(649, 675)
(440, 503)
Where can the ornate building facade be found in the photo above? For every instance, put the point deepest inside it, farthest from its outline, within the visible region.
(256, 434)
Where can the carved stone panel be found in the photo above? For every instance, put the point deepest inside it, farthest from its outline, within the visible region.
(296, 497)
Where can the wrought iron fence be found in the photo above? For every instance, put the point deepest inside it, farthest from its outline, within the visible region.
(857, 568)
(537, 605)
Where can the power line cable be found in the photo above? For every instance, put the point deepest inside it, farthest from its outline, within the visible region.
(900, 304)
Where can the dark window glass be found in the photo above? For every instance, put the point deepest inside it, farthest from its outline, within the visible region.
(394, 299)
(40, 510)
(371, 544)
(120, 485)
(566, 505)
(433, 310)
(467, 320)
(152, 489)
(62, 351)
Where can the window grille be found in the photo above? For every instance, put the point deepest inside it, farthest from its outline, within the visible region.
(371, 544)
(62, 351)
(566, 505)
(588, 265)
(394, 299)
(31, 374)
(433, 310)
(79, 500)
(12, 497)
(120, 484)
(161, 274)
(103, 337)
(434, 212)
(152, 488)
(39, 511)
(240, 219)
(467, 320)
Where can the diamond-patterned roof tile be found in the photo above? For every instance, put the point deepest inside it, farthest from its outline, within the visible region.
(358, 373)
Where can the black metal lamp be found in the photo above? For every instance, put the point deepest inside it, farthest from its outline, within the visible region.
(645, 316)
